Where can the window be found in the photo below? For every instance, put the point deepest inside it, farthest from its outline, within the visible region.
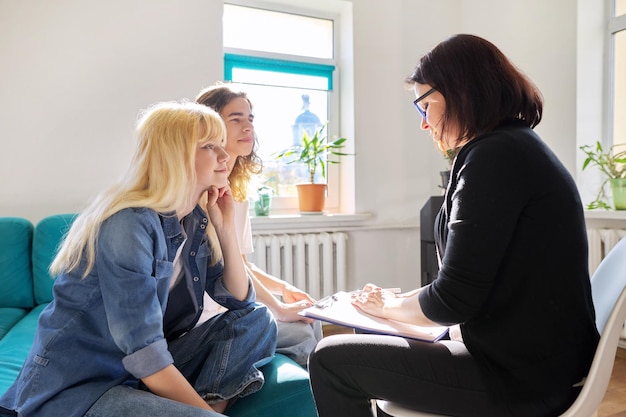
(286, 63)
(617, 67)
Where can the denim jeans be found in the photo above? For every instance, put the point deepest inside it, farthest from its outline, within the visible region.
(297, 339)
(220, 358)
(122, 400)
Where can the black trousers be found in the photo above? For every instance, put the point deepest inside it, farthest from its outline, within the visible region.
(347, 371)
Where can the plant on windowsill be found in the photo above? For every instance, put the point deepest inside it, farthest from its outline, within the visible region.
(612, 164)
(445, 175)
(263, 202)
(315, 153)
(449, 156)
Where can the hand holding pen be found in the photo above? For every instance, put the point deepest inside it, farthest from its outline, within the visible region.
(370, 288)
(330, 300)
(372, 299)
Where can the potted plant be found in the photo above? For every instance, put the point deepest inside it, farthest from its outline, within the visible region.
(263, 202)
(314, 152)
(449, 156)
(612, 163)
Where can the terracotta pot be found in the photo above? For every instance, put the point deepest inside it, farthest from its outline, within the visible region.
(311, 197)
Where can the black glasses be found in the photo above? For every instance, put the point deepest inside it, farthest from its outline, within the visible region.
(421, 111)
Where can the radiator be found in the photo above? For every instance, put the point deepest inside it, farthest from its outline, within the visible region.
(312, 262)
(601, 241)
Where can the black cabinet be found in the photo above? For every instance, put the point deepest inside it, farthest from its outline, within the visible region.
(428, 213)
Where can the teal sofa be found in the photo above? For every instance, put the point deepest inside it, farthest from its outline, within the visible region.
(26, 251)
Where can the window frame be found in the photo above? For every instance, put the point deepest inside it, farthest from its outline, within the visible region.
(232, 60)
(615, 25)
(337, 174)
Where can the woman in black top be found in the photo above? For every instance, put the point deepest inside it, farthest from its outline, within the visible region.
(512, 251)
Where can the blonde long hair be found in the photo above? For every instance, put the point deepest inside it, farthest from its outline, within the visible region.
(161, 176)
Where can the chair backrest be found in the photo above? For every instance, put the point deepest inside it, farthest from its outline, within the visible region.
(608, 286)
(608, 282)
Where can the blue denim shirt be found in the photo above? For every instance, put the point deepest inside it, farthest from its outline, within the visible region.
(107, 329)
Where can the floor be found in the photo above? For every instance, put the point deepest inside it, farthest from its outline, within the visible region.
(614, 403)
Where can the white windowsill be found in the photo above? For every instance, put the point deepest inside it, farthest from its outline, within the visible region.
(605, 218)
(298, 223)
(606, 214)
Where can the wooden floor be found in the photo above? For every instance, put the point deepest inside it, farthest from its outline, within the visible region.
(614, 403)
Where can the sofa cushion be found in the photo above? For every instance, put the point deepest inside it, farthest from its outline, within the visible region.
(14, 347)
(47, 236)
(8, 317)
(15, 268)
(286, 392)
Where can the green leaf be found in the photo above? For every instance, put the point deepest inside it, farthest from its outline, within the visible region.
(314, 151)
(610, 162)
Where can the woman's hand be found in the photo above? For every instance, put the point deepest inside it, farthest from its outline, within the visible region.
(402, 307)
(374, 300)
(220, 206)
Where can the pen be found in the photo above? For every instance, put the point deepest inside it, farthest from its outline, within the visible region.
(326, 301)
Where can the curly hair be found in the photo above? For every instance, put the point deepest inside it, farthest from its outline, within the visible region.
(217, 97)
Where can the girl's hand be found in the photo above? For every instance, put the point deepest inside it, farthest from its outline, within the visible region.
(220, 206)
(292, 294)
(289, 312)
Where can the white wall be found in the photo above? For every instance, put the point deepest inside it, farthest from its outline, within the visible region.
(540, 37)
(75, 74)
(397, 166)
(591, 85)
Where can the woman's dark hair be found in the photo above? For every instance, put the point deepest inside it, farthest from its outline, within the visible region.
(482, 88)
(217, 97)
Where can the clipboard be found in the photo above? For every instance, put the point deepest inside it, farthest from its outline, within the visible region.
(338, 309)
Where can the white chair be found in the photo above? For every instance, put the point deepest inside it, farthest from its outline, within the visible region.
(608, 286)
